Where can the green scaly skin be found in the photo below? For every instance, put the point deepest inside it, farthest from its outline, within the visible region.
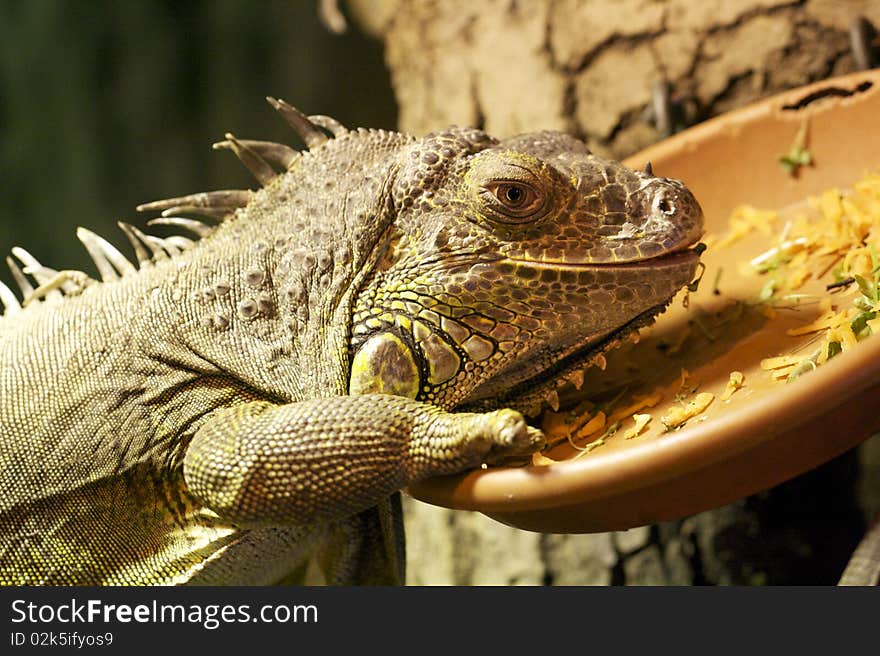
(382, 310)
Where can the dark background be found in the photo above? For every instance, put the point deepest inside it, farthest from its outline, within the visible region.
(104, 105)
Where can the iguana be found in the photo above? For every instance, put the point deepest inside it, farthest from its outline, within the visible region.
(384, 308)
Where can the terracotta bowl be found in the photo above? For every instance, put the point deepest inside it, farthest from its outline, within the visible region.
(768, 431)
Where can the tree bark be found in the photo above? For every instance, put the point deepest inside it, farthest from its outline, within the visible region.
(591, 68)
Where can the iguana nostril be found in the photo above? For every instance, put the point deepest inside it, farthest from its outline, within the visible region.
(666, 206)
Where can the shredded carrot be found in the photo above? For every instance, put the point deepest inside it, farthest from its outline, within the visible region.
(641, 422)
(677, 415)
(734, 382)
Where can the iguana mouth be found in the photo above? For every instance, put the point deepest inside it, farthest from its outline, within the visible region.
(674, 256)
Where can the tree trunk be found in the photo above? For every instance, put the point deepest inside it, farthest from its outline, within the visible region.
(593, 68)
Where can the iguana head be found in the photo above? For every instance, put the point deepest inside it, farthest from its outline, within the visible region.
(509, 261)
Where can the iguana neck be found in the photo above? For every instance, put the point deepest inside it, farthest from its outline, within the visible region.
(269, 294)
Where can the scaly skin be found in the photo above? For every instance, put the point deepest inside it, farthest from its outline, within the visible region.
(234, 405)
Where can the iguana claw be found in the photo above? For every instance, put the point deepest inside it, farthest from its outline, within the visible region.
(509, 436)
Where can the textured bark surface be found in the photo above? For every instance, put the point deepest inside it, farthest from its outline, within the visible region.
(589, 67)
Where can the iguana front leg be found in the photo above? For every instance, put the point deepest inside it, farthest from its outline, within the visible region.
(326, 459)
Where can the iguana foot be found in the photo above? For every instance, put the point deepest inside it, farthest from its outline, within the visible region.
(504, 434)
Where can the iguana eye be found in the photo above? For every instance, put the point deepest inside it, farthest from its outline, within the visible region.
(515, 200)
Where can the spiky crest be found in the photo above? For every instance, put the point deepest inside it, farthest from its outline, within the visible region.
(196, 227)
(269, 151)
(253, 161)
(308, 131)
(332, 126)
(212, 204)
(261, 158)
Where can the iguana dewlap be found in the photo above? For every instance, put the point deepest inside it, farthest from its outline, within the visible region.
(381, 310)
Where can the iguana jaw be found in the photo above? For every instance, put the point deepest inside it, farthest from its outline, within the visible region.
(530, 393)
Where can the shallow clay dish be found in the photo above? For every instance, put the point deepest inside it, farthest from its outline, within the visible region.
(769, 430)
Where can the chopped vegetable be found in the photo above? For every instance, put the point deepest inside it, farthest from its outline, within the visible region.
(641, 422)
(827, 320)
(677, 415)
(842, 239)
(744, 220)
(769, 260)
(780, 362)
(734, 382)
(798, 155)
(767, 291)
(594, 425)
